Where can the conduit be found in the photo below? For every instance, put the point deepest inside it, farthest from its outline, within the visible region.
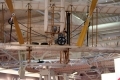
(105, 27)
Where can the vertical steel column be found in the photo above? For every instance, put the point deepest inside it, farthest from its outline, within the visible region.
(0, 31)
(68, 27)
(92, 30)
(88, 35)
(29, 54)
(1, 28)
(2, 25)
(96, 24)
(52, 22)
(21, 71)
(71, 39)
(60, 57)
(64, 56)
(28, 25)
(46, 77)
(49, 77)
(65, 77)
(88, 25)
(56, 78)
(40, 78)
(29, 40)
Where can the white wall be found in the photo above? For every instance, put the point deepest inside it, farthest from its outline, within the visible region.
(108, 76)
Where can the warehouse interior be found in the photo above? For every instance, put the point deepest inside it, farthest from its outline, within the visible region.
(59, 39)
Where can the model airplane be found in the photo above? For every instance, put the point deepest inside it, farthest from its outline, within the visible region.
(61, 46)
(78, 47)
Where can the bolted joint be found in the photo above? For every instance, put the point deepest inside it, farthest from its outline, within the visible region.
(13, 14)
(29, 49)
(89, 17)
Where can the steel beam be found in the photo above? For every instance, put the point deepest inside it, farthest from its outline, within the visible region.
(68, 27)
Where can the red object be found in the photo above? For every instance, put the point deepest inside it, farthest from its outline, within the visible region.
(119, 79)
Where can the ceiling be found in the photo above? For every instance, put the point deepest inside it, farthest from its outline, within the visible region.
(108, 35)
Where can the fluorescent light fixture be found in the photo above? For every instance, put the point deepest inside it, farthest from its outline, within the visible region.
(76, 20)
(76, 16)
(51, 77)
(105, 27)
(43, 77)
(44, 67)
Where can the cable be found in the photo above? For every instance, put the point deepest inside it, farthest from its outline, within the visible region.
(78, 27)
(10, 21)
(34, 31)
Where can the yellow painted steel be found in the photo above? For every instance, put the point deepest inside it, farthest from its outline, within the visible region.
(19, 34)
(18, 31)
(10, 6)
(92, 7)
(85, 27)
(83, 33)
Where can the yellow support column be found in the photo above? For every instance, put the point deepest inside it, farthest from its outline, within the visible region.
(85, 27)
(18, 31)
(83, 33)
